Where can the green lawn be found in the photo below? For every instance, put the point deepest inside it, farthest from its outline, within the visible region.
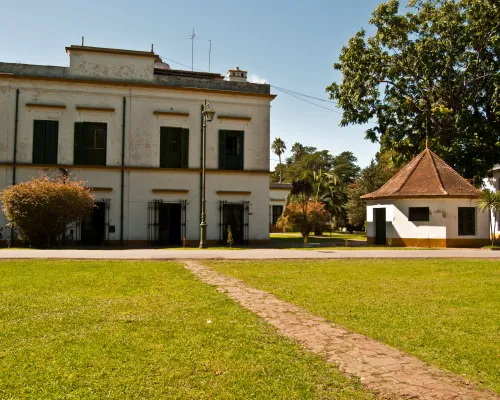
(111, 329)
(328, 239)
(446, 312)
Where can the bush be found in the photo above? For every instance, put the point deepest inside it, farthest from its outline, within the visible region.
(42, 208)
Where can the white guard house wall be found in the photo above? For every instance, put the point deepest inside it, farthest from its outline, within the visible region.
(440, 231)
(85, 92)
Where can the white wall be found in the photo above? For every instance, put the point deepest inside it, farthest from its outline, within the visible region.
(442, 224)
(142, 147)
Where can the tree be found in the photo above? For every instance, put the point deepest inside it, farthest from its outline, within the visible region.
(42, 208)
(293, 217)
(490, 201)
(301, 193)
(433, 71)
(278, 148)
(370, 179)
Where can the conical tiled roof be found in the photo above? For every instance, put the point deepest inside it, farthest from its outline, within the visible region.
(426, 175)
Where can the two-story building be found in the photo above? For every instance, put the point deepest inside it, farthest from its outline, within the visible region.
(131, 127)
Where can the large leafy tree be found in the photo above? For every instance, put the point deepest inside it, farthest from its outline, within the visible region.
(278, 147)
(434, 71)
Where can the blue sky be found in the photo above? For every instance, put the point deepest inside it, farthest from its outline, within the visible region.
(290, 44)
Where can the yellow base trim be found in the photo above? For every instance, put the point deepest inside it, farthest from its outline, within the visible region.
(433, 243)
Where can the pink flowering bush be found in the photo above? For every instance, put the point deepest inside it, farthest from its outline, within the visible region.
(42, 208)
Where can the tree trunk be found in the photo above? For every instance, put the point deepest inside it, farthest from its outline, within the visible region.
(279, 156)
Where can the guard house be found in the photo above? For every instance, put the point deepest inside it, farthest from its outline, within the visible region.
(426, 204)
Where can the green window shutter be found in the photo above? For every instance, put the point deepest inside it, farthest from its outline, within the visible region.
(78, 155)
(242, 149)
(38, 142)
(163, 147)
(185, 148)
(51, 142)
(222, 149)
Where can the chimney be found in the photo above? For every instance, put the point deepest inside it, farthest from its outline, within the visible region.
(236, 75)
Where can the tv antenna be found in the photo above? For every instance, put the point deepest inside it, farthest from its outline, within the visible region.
(209, 53)
(193, 37)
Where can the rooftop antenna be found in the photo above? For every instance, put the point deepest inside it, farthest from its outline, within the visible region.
(83, 41)
(193, 36)
(209, 53)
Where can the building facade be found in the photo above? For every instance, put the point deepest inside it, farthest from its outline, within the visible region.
(426, 204)
(131, 128)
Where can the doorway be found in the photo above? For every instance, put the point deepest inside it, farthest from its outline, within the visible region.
(170, 224)
(380, 226)
(233, 216)
(93, 228)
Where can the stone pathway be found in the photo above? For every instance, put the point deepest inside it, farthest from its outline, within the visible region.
(388, 372)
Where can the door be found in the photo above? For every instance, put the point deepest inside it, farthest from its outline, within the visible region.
(170, 224)
(233, 216)
(94, 226)
(380, 226)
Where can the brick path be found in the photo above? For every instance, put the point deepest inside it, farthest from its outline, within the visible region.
(388, 372)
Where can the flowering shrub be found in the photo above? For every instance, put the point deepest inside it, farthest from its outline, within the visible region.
(293, 217)
(42, 208)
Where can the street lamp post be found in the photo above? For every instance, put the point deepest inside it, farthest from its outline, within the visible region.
(208, 116)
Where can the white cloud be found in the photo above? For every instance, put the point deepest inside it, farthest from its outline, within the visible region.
(254, 78)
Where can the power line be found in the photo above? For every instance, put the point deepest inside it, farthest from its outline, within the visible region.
(307, 101)
(304, 95)
(283, 90)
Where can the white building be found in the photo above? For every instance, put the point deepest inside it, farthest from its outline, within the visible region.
(131, 127)
(278, 193)
(493, 183)
(426, 204)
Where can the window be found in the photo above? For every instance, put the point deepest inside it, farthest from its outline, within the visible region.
(418, 214)
(277, 211)
(45, 142)
(231, 150)
(174, 147)
(466, 221)
(90, 143)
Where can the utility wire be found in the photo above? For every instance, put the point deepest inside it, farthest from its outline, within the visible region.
(286, 91)
(304, 95)
(307, 101)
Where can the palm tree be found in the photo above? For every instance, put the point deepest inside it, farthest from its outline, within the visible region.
(490, 201)
(297, 150)
(279, 148)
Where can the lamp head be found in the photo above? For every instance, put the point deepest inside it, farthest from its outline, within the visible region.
(208, 112)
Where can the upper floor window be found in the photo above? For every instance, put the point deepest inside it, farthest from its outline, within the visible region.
(231, 150)
(466, 221)
(45, 135)
(90, 143)
(174, 147)
(418, 214)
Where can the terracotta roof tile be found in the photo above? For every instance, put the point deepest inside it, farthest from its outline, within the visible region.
(426, 175)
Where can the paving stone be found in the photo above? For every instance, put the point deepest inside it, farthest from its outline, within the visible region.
(389, 372)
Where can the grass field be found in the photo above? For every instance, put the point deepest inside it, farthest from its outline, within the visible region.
(446, 312)
(75, 329)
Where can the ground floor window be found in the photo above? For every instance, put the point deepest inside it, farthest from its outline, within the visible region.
(234, 215)
(466, 221)
(418, 214)
(277, 211)
(166, 222)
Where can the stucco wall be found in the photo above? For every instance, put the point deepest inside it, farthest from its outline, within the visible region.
(442, 224)
(114, 66)
(142, 147)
